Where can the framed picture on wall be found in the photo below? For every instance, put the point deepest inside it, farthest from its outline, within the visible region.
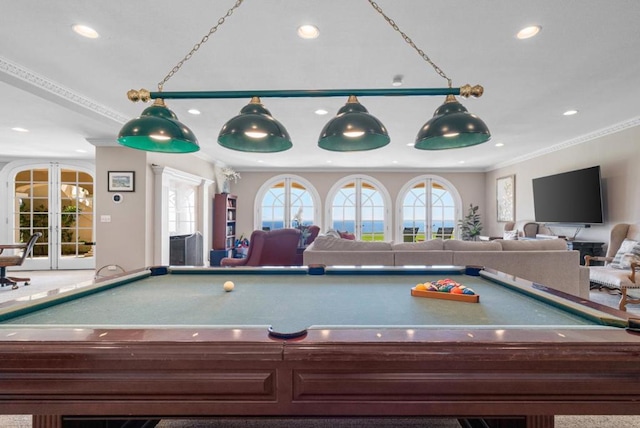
(506, 198)
(122, 181)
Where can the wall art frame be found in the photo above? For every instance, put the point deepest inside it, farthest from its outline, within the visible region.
(506, 198)
(121, 181)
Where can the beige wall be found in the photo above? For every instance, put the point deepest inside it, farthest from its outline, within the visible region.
(619, 158)
(122, 240)
(128, 239)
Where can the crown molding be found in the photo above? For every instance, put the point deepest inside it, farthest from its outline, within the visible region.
(603, 132)
(43, 87)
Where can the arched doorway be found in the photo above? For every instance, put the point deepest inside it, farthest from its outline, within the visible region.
(56, 199)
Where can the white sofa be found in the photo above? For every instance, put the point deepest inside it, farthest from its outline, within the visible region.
(547, 262)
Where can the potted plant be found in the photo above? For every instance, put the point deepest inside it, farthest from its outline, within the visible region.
(470, 226)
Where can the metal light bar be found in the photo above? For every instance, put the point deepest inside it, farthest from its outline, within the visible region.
(463, 91)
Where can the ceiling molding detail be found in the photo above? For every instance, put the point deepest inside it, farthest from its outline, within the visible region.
(40, 86)
(631, 123)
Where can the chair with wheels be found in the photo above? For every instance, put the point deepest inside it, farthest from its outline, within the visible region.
(15, 260)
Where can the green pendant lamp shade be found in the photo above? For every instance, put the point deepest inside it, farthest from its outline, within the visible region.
(452, 127)
(254, 130)
(158, 130)
(353, 129)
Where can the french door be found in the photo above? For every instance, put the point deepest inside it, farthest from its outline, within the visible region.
(359, 207)
(55, 199)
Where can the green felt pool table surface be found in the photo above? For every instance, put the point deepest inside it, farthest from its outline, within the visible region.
(293, 300)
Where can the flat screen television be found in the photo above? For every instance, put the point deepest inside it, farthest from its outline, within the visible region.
(573, 197)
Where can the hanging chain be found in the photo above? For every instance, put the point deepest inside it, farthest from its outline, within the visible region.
(188, 56)
(409, 41)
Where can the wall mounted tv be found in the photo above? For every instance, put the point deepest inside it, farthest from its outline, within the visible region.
(573, 197)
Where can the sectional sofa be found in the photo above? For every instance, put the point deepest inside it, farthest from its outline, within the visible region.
(547, 261)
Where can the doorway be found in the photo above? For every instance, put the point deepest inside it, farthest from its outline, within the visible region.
(56, 199)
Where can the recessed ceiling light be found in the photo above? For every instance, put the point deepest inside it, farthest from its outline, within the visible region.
(397, 81)
(394, 161)
(329, 161)
(85, 31)
(18, 129)
(321, 112)
(570, 112)
(460, 161)
(528, 32)
(194, 111)
(81, 151)
(411, 144)
(308, 31)
(499, 144)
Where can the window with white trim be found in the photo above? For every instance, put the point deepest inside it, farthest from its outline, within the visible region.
(286, 201)
(359, 206)
(430, 208)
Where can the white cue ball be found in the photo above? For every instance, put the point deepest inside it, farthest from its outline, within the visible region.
(228, 286)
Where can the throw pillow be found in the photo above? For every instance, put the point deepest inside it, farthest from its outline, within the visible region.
(628, 252)
(332, 232)
(510, 235)
(347, 235)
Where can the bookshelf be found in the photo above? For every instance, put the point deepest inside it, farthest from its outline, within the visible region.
(224, 222)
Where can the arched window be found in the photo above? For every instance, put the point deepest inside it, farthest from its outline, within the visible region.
(286, 201)
(359, 205)
(429, 207)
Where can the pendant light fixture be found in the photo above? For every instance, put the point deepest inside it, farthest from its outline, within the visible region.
(452, 126)
(158, 130)
(353, 129)
(256, 130)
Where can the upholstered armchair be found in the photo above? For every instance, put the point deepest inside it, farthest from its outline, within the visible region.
(524, 229)
(620, 263)
(272, 248)
(313, 234)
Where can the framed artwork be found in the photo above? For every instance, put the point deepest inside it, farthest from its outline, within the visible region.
(122, 181)
(506, 198)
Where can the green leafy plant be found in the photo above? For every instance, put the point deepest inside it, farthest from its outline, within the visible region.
(470, 226)
(68, 219)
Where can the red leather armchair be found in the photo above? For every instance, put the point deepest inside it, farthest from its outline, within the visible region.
(272, 248)
(313, 234)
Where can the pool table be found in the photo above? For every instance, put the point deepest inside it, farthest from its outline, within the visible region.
(168, 342)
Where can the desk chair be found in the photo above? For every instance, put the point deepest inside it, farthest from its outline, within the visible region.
(15, 260)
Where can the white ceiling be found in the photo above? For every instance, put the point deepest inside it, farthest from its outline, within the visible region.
(68, 90)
